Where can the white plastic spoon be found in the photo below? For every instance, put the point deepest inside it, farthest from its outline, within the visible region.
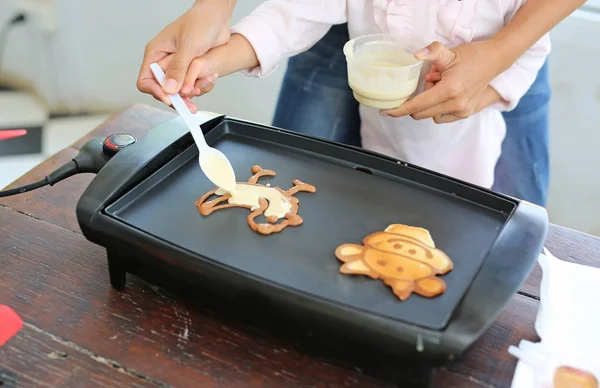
(213, 162)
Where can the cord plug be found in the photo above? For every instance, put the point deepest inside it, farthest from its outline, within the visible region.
(18, 18)
(4, 30)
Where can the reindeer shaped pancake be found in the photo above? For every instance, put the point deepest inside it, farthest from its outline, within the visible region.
(272, 202)
(404, 257)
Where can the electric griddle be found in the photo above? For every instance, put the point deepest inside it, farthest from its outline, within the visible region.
(140, 207)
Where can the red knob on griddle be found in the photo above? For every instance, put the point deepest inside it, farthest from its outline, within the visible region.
(114, 143)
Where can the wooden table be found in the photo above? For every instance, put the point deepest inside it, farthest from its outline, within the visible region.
(80, 332)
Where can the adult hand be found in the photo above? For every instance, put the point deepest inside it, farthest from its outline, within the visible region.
(199, 75)
(457, 86)
(204, 26)
(237, 55)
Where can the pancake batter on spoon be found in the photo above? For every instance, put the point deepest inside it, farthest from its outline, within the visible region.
(213, 162)
(218, 170)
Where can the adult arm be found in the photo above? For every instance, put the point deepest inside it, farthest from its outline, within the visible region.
(272, 32)
(467, 70)
(234, 56)
(203, 26)
(281, 29)
(531, 22)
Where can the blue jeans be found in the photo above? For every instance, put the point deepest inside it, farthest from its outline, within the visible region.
(315, 99)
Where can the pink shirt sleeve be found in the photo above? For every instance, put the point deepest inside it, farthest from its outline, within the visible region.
(279, 29)
(513, 83)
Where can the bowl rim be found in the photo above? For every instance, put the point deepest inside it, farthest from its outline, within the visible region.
(349, 45)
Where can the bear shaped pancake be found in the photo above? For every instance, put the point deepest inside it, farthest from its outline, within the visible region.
(404, 257)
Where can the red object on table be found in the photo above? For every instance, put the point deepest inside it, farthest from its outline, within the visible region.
(12, 133)
(10, 324)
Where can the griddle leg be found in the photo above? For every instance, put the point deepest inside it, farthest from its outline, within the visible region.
(416, 376)
(116, 270)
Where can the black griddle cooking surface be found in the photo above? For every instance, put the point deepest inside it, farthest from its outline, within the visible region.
(347, 206)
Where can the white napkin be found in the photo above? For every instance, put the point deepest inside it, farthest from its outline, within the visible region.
(568, 323)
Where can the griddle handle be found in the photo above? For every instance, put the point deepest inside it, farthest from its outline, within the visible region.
(97, 152)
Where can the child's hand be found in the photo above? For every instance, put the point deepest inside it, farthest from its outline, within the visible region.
(198, 80)
(462, 77)
(198, 88)
(203, 71)
(432, 77)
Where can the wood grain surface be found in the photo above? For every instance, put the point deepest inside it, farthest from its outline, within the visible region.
(59, 363)
(80, 332)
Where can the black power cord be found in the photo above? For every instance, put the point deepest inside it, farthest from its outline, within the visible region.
(92, 156)
(19, 18)
(67, 170)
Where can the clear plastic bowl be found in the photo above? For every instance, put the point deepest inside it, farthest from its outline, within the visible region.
(382, 73)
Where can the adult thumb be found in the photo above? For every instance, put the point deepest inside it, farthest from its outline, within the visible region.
(177, 69)
(437, 53)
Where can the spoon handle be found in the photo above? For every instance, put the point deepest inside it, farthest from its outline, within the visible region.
(182, 109)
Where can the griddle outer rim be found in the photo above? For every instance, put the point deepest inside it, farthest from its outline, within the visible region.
(499, 278)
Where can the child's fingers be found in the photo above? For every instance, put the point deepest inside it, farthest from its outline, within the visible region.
(433, 77)
(186, 90)
(199, 69)
(194, 72)
(200, 87)
(191, 106)
(205, 85)
(203, 89)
